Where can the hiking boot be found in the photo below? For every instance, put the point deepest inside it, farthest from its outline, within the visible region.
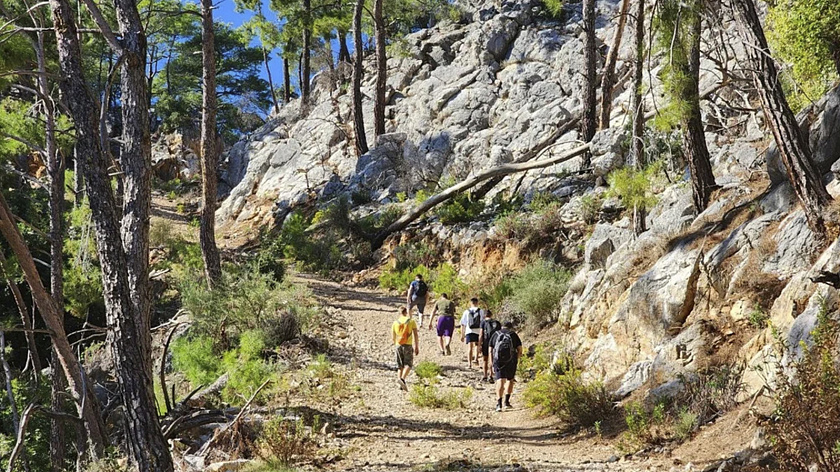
(448, 351)
(498, 407)
(508, 406)
(403, 385)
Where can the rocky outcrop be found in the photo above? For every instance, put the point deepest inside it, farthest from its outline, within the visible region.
(490, 90)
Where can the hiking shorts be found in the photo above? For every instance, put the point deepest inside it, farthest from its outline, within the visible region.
(405, 356)
(420, 303)
(446, 326)
(505, 371)
(471, 338)
(485, 348)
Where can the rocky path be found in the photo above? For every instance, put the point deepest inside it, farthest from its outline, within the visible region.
(387, 432)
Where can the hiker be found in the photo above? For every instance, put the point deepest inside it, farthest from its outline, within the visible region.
(505, 349)
(470, 328)
(488, 328)
(445, 311)
(417, 296)
(404, 335)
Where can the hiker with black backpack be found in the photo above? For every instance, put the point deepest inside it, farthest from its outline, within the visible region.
(488, 328)
(406, 344)
(445, 311)
(506, 350)
(417, 296)
(470, 328)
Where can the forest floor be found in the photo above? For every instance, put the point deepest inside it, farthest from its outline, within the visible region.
(386, 431)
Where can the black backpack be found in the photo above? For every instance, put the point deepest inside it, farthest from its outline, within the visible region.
(420, 289)
(503, 349)
(475, 318)
(490, 327)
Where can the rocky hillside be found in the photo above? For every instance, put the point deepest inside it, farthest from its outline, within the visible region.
(691, 291)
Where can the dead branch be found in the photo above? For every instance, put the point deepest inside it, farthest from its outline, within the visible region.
(193, 420)
(162, 374)
(235, 421)
(21, 434)
(500, 171)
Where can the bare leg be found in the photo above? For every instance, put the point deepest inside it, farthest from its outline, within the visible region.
(510, 386)
(446, 341)
(486, 366)
(500, 388)
(440, 341)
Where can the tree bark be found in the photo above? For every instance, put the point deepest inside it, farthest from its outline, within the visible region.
(793, 147)
(694, 136)
(637, 150)
(307, 46)
(589, 123)
(358, 110)
(88, 408)
(343, 50)
(287, 82)
(270, 81)
(209, 152)
(500, 171)
(145, 442)
(608, 76)
(381, 69)
(136, 166)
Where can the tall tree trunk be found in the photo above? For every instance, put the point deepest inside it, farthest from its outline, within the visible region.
(343, 50)
(146, 444)
(694, 136)
(358, 110)
(608, 76)
(136, 166)
(589, 123)
(55, 168)
(637, 150)
(381, 69)
(307, 46)
(270, 81)
(287, 82)
(793, 147)
(209, 152)
(87, 407)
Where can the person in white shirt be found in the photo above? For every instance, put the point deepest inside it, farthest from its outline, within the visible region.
(470, 329)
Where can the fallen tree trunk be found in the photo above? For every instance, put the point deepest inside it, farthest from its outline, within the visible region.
(495, 172)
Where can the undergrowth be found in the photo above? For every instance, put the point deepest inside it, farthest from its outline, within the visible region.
(430, 396)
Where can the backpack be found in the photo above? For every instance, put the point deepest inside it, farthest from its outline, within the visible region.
(503, 349)
(475, 318)
(490, 327)
(420, 288)
(403, 331)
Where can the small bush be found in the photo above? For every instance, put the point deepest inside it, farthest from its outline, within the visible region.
(542, 200)
(568, 397)
(460, 209)
(590, 207)
(323, 382)
(532, 230)
(408, 256)
(379, 220)
(428, 370)
(196, 359)
(537, 290)
(805, 433)
(758, 318)
(633, 187)
(286, 442)
(554, 7)
(160, 233)
(429, 396)
(399, 280)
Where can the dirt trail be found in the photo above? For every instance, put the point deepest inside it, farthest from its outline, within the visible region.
(388, 432)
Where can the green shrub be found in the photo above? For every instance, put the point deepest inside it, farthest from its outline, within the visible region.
(242, 301)
(196, 359)
(429, 396)
(82, 275)
(247, 370)
(758, 318)
(805, 431)
(460, 209)
(320, 253)
(381, 219)
(536, 359)
(554, 7)
(532, 230)
(685, 425)
(536, 291)
(569, 397)
(428, 370)
(270, 259)
(590, 207)
(399, 280)
(542, 200)
(323, 382)
(633, 187)
(408, 256)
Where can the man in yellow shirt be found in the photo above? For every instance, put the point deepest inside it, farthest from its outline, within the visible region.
(404, 335)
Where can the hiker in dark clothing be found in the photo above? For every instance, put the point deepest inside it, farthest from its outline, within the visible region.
(488, 328)
(417, 296)
(505, 350)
